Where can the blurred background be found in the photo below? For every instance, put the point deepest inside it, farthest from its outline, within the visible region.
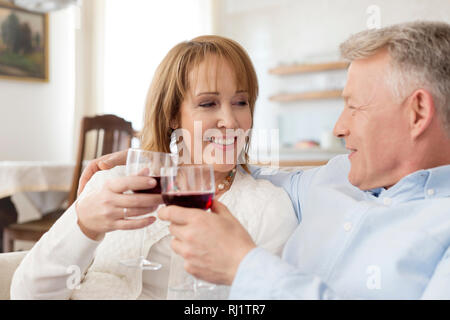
(102, 54)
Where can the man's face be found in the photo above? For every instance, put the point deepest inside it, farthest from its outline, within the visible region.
(374, 125)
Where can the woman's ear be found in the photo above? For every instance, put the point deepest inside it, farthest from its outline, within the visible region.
(422, 112)
(174, 124)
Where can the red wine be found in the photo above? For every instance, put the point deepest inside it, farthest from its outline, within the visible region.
(189, 199)
(155, 189)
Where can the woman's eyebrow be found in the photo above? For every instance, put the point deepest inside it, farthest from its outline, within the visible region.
(205, 93)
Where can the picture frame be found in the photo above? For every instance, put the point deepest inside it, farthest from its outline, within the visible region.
(24, 54)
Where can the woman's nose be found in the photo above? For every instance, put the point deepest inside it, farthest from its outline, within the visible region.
(227, 118)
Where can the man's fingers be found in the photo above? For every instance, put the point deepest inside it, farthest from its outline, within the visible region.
(103, 163)
(219, 207)
(86, 175)
(178, 215)
(177, 246)
(123, 224)
(114, 159)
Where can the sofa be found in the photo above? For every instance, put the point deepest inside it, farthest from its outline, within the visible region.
(8, 264)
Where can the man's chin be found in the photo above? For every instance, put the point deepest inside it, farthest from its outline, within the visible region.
(363, 184)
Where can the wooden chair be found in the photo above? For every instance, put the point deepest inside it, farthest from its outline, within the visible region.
(111, 134)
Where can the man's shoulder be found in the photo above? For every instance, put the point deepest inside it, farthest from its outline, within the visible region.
(337, 168)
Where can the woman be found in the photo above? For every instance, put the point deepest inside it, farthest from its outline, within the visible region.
(208, 81)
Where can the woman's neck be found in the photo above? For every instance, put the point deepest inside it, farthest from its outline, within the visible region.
(225, 179)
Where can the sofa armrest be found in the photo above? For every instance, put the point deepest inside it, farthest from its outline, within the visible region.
(8, 264)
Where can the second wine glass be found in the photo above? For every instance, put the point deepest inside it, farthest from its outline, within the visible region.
(189, 186)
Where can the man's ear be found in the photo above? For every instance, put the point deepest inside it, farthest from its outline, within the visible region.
(422, 110)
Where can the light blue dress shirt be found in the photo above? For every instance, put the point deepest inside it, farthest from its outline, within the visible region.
(353, 244)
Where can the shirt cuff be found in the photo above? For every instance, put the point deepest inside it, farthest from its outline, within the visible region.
(257, 275)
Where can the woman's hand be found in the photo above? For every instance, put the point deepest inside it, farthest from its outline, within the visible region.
(106, 162)
(104, 210)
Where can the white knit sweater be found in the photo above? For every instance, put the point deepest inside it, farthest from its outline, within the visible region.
(47, 272)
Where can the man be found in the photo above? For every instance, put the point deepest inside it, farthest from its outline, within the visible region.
(374, 224)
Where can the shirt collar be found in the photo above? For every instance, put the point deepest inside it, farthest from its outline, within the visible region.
(431, 183)
(438, 182)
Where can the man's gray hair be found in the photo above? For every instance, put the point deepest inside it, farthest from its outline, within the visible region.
(420, 54)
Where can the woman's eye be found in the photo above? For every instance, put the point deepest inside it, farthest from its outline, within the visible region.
(242, 103)
(207, 104)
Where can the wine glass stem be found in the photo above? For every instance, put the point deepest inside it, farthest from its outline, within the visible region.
(142, 245)
(195, 284)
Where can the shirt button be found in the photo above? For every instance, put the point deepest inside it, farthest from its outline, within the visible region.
(430, 192)
(387, 201)
(347, 226)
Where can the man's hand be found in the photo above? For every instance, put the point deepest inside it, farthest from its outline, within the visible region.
(212, 244)
(105, 162)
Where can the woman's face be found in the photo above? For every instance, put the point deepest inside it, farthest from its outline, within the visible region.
(212, 113)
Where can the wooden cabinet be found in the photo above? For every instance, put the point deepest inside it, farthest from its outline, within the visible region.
(305, 68)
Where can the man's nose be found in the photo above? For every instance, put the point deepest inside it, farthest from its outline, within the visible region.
(341, 128)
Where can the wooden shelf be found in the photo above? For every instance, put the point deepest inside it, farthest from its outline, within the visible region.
(312, 95)
(303, 68)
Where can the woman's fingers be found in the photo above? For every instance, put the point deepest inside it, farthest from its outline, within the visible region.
(123, 224)
(122, 184)
(137, 200)
(121, 213)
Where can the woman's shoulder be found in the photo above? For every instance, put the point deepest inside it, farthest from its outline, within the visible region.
(259, 189)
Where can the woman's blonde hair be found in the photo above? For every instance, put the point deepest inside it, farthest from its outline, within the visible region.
(170, 85)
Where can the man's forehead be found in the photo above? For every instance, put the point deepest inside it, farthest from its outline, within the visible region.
(364, 79)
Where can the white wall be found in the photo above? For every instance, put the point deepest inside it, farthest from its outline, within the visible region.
(286, 31)
(36, 118)
(136, 41)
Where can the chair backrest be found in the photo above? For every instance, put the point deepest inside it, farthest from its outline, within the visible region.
(112, 134)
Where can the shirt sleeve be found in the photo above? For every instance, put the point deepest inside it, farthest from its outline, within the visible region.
(289, 181)
(265, 276)
(53, 268)
(439, 285)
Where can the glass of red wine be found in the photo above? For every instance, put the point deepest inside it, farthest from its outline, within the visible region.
(189, 186)
(148, 163)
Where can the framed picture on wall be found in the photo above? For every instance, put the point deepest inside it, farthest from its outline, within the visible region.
(23, 43)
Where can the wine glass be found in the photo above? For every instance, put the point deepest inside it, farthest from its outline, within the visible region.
(189, 186)
(149, 163)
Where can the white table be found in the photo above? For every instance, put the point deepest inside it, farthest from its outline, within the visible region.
(45, 184)
(38, 187)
